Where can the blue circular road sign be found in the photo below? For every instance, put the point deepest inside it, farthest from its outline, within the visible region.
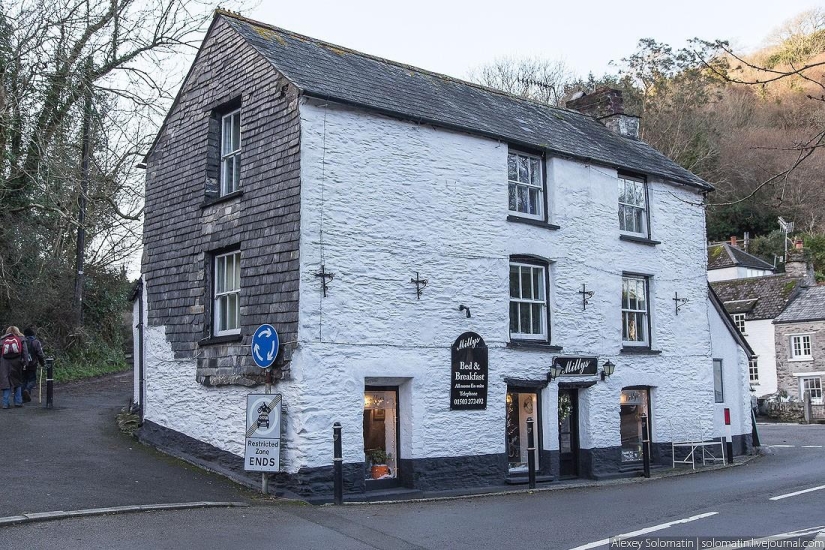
(265, 346)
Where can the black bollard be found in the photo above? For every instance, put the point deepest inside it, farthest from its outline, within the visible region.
(531, 455)
(49, 382)
(338, 462)
(646, 445)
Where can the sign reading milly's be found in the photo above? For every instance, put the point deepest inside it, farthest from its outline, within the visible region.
(468, 379)
(577, 366)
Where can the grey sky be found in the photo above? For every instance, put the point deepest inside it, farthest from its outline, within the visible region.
(451, 37)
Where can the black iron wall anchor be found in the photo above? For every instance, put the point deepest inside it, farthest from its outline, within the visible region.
(586, 295)
(324, 275)
(462, 307)
(419, 283)
(679, 302)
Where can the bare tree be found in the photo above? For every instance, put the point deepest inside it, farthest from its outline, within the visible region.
(530, 77)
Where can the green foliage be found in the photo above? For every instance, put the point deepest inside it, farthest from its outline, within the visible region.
(768, 246)
(750, 216)
(815, 245)
(797, 49)
(94, 358)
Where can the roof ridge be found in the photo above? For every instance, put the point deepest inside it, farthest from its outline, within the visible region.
(239, 17)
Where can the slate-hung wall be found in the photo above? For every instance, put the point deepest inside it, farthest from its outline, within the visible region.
(185, 226)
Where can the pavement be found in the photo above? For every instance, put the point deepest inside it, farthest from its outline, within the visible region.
(74, 457)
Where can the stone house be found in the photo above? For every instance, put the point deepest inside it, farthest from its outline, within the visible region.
(441, 260)
(800, 345)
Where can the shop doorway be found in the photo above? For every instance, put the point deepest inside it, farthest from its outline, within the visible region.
(381, 435)
(521, 405)
(634, 404)
(568, 432)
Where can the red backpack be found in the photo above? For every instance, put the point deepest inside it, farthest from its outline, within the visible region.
(11, 347)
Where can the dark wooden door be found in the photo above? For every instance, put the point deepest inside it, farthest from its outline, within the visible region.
(569, 433)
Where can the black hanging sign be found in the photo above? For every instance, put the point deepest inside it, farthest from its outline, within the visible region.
(577, 366)
(468, 379)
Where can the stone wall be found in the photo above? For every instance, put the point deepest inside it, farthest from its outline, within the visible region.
(787, 367)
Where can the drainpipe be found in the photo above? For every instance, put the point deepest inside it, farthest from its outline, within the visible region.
(140, 350)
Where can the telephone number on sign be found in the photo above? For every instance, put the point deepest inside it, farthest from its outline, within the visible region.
(466, 401)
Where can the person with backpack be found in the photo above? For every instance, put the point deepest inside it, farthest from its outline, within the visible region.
(36, 357)
(13, 355)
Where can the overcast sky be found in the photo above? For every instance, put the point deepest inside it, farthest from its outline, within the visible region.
(451, 37)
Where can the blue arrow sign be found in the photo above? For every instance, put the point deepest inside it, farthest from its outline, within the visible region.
(265, 346)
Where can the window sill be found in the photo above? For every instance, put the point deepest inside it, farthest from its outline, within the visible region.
(640, 351)
(534, 345)
(209, 201)
(800, 359)
(534, 223)
(225, 339)
(640, 240)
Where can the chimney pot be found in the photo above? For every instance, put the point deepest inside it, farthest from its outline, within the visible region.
(733, 240)
(607, 106)
(797, 244)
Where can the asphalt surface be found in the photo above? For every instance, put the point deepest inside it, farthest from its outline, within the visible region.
(74, 457)
(102, 467)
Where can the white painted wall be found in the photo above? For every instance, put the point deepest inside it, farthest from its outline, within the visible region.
(760, 335)
(394, 198)
(735, 385)
(724, 274)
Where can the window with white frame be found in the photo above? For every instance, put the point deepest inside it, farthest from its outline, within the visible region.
(525, 185)
(227, 293)
(632, 206)
(718, 384)
(230, 152)
(635, 312)
(528, 301)
(739, 321)
(753, 371)
(812, 386)
(801, 346)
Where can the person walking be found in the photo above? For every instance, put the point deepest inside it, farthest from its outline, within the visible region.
(13, 355)
(36, 357)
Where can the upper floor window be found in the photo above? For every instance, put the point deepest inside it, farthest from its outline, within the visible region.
(633, 206)
(812, 386)
(528, 301)
(635, 311)
(525, 185)
(801, 346)
(227, 293)
(718, 384)
(739, 321)
(230, 152)
(753, 371)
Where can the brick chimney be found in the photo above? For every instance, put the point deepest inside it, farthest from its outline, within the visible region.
(797, 264)
(607, 106)
(733, 240)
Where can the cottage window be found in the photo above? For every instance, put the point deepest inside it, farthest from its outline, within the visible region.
(633, 206)
(635, 312)
(801, 347)
(812, 386)
(230, 152)
(718, 385)
(753, 371)
(739, 321)
(525, 185)
(227, 293)
(528, 302)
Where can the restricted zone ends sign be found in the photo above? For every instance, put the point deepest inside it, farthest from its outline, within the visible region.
(262, 447)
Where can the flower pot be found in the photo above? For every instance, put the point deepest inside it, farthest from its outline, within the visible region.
(380, 470)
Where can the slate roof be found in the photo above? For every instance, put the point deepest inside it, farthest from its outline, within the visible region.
(770, 293)
(335, 73)
(725, 255)
(809, 305)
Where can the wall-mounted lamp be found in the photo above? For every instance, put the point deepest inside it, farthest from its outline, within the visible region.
(555, 372)
(607, 369)
(462, 307)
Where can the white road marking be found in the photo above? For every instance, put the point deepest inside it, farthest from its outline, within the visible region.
(812, 489)
(812, 446)
(782, 446)
(644, 531)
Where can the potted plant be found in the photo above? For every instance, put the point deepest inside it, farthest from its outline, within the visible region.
(378, 460)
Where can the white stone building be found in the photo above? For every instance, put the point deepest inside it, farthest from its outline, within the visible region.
(554, 239)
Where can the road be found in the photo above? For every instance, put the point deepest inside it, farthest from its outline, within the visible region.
(762, 498)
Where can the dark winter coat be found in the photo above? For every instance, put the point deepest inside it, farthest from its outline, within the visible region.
(36, 356)
(11, 373)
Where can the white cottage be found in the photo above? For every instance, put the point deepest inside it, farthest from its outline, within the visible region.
(433, 253)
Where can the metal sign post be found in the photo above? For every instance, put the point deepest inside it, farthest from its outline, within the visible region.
(263, 412)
